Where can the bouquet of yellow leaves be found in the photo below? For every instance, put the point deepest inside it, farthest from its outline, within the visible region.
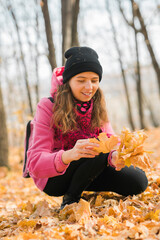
(130, 151)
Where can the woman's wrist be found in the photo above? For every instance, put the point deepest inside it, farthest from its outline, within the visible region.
(66, 157)
(110, 158)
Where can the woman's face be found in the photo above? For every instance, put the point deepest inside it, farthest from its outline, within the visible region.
(84, 85)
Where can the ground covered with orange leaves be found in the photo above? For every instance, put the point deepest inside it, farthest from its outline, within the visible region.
(26, 213)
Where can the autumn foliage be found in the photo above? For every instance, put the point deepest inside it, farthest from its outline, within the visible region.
(129, 146)
(105, 144)
(26, 213)
(131, 150)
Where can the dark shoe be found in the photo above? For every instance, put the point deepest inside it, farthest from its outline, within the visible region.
(69, 199)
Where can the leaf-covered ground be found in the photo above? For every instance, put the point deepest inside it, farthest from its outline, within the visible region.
(26, 213)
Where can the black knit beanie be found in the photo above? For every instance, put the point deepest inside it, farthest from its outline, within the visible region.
(81, 59)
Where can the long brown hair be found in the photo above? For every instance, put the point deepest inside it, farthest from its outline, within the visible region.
(64, 117)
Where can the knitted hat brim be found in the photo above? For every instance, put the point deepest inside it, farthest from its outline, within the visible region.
(82, 67)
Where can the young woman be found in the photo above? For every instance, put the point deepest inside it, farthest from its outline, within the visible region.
(61, 160)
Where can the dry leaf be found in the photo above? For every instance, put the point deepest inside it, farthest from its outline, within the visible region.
(27, 223)
(158, 181)
(110, 203)
(105, 144)
(131, 150)
(153, 215)
(3, 172)
(76, 212)
(99, 201)
(42, 210)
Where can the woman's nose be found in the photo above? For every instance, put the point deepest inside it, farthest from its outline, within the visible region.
(88, 85)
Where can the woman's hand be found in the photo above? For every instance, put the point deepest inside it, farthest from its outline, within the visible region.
(82, 149)
(117, 164)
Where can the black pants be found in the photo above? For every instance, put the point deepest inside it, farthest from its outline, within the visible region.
(95, 175)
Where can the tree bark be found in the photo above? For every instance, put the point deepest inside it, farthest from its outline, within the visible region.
(147, 42)
(75, 13)
(143, 30)
(129, 112)
(3, 135)
(22, 57)
(51, 48)
(69, 12)
(37, 54)
(138, 74)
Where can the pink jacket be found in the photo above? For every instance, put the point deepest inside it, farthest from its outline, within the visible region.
(44, 156)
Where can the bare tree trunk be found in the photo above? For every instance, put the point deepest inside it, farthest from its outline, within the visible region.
(75, 13)
(143, 31)
(37, 75)
(22, 57)
(3, 135)
(147, 41)
(51, 48)
(66, 25)
(19, 75)
(34, 56)
(37, 54)
(69, 12)
(138, 74)
(129, 112)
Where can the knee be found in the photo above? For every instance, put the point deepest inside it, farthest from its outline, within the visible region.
(140, 184)
(143, 183)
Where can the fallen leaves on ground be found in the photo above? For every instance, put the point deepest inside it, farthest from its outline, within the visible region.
(3, 172)
(26, 213)
(74, 212)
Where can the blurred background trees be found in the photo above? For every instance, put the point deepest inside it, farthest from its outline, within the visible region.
(4, 135)
(35, 34)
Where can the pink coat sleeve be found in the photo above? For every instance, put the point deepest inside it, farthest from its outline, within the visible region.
(43, 162)
(107, 128)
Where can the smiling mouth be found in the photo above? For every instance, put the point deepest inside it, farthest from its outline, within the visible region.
(87, 94)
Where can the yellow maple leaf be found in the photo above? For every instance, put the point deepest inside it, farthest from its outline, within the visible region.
(27, 223)
(101, 147)
(128, 162)
(153, 215)
(99, 201)
(140, 160)
(131, 140)
(105, 144)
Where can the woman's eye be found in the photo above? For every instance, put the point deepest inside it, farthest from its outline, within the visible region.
(81, 81)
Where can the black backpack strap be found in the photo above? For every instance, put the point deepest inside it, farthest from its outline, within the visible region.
(28, 133)
(51, 99)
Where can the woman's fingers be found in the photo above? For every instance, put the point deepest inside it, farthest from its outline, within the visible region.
(84, 149)
(88, 151)
(86, 144)
(120, 166)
